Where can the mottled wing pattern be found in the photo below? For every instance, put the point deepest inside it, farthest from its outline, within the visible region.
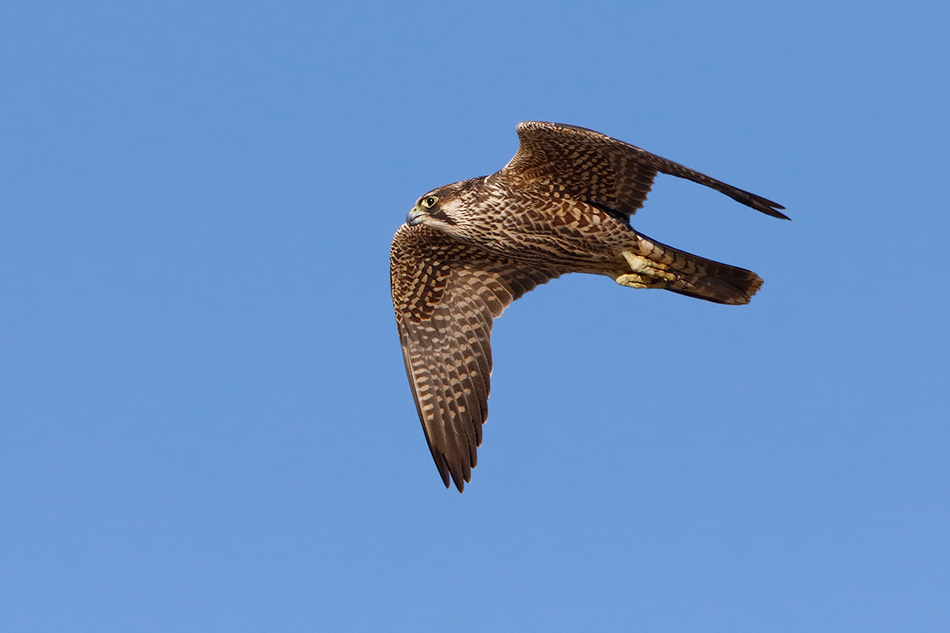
(446, 294)
(603, 171)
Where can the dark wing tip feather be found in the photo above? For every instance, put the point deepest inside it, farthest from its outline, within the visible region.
(759, 203)
(440, 464)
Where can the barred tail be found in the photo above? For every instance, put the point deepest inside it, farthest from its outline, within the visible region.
(693, 276)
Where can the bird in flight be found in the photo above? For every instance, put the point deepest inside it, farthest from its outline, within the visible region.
(467, 250)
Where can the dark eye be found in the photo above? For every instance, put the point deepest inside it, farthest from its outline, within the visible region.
(428, 201)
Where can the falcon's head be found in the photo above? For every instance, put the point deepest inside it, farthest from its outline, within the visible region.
(446, 207)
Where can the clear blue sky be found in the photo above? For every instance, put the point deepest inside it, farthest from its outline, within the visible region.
(206, 425)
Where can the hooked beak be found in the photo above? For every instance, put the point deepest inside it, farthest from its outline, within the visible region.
(415, 216)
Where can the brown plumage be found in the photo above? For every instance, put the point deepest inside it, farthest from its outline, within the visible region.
(467, 250)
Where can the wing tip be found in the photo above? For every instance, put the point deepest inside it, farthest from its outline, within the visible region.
(749, 199)
(448, 474)
(770, 208)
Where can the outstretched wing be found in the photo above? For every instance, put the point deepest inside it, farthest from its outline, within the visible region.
(446, 294)
(603, 171)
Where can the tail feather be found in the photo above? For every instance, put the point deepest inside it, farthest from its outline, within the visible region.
(701, 278)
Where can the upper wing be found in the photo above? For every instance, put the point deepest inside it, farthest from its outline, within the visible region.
(446, 294)
(603, 171)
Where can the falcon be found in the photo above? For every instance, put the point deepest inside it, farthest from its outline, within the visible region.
(467, 250)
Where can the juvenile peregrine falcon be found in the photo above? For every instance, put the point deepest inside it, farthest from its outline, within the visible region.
(467, 250)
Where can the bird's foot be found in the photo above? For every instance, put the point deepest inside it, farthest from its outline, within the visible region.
(645, 273)
(639, 281)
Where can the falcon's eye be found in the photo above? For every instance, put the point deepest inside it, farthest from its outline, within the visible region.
(429, 201)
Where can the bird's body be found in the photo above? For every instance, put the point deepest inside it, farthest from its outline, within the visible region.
(562, 205)
(526, 226)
